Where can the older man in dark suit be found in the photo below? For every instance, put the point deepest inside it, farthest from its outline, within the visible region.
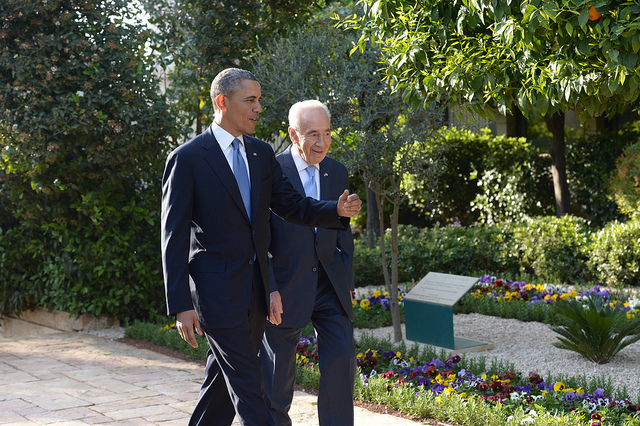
(218, 189)
(313, 275)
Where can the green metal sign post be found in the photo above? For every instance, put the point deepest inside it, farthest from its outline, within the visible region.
(428, 312)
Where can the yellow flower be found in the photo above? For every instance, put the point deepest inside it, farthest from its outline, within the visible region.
(365, 304)
(354, 303)
(564, 296)
(377, 293)
(398, 355)
(463, 395)
(386, 293)
(559, 387)
(449, 390)
(528, 286)
(411, 359)
(399, 298)
(630, 316)
(579, 391)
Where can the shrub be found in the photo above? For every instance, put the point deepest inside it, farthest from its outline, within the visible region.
(590, 162)
(554, 249)
(625, 183)
(595, 329)
(468, 155)
(615, 254)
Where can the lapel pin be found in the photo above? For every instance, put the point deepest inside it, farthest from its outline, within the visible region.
(255, 155)
(326, 174)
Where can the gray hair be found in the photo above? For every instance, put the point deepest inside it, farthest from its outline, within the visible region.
(229, 81)
(297, 108)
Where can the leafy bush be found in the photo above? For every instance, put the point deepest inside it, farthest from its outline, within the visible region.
(84, 133)
(595, 329)
(590, 162)
(615, 254)
(553, 249)
(625, 182)
(468, 156)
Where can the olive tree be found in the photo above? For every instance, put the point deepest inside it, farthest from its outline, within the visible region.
(374, 132)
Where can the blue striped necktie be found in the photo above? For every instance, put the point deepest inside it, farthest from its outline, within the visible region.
(240, 170)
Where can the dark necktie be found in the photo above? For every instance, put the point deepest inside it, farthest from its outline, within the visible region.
(240, 170)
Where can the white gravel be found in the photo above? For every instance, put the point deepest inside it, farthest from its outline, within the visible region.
(528, 345)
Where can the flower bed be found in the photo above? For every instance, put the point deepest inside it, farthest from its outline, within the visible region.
(511, 390)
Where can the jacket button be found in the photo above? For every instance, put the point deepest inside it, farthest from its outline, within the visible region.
(314, 269)
(251, 262)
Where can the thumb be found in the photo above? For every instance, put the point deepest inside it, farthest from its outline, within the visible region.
(344, 196)
(197, 326)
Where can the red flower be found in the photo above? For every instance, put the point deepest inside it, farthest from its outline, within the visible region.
(482, 387)
(596, 416)
(496, 385)
(535, 378)
(510, 375)
(432, 371)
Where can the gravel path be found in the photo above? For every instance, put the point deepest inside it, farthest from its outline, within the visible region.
(528, 345)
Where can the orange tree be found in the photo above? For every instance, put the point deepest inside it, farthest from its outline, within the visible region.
(544, 57)
(83, 135)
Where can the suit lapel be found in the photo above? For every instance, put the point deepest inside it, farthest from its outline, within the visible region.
(291, 171)
(218, 163)
(253, 161)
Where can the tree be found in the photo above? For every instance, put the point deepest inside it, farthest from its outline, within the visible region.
(543, 57)
(84, 132)
(196, 39)
(374, 132)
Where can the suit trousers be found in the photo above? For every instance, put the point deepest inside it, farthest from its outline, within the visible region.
(336, 359)
(233, 379)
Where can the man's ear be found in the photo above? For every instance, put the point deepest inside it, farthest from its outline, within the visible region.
(293, 136)
(221, 102)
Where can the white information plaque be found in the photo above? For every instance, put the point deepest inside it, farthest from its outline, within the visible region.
(441, 289)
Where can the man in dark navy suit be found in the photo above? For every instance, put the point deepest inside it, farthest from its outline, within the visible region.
(313, 274)
(217, 192)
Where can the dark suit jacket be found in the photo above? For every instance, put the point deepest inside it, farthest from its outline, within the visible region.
(297, 250)
(209, 246)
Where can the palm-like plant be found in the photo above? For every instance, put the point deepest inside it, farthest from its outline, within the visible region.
(595, 329)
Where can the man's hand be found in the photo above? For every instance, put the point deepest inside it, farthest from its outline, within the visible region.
(349, 205)
(276, 308)
(185, 321)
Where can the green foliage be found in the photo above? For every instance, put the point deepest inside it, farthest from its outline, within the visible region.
(615, 254)
(590, 162)
(541, 57)
(553, 249)
(164, 335)
(460, 250)
(625, 183)
(520, 309)
(478, 166)
(234, 30)
(595, 329)
(85, 132)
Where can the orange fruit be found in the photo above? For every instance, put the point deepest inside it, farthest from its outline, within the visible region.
(594, 15)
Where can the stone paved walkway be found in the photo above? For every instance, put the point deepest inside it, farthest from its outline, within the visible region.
(70, 379)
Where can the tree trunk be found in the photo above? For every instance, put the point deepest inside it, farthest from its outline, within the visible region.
(555, 124)
(373, 221)
(383, 250)
(395, 309)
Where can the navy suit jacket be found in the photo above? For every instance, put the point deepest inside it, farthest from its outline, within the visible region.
(209, 245)
(297, 250)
